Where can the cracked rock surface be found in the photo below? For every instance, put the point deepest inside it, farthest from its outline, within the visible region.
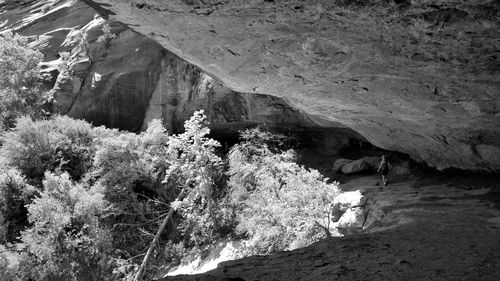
(127, 80)
(419, 77)
(421, 229)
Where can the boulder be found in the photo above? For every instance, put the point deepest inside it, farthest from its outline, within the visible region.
(344, 202)
(337, 165)
(336, 214)
(349, 199)
(351, 221)
(373, 161)
(355, 167)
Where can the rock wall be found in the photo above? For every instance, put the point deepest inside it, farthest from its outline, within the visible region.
(419, 77)
(125, 80)
(444, 230)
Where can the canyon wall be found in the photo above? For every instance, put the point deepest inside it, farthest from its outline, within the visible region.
(418, 77)
(123, 79)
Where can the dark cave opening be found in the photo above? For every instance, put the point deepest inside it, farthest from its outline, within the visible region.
(326, 141)
(317, 147)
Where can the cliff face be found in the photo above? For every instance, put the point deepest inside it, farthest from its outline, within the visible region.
(428, 229)
(415, 77)
(420, 77)
(124, 80)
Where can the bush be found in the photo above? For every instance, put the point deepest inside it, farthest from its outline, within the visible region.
(85, 191)
(280, 204)
(21, 88)
(90, 199)
(34, 147)
(175, 252)
(131, 168)
(195, 167)
(30, 149)
(127, 159)
(66, 240)
(14, 191)
(7, 273)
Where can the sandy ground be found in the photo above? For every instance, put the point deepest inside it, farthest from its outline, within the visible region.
(423, 226)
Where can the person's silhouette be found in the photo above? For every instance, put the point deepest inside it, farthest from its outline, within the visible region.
(383, 169)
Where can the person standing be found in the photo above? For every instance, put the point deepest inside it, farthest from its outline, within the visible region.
(383, 169)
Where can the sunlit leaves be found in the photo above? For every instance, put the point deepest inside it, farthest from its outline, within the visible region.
(282, 205)
(21, 87)
(65, 226)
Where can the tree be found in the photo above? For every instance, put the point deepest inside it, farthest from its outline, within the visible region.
(93, 198)
(34, 147)
(192, 167)
(195, 166)
(66, 239)
(131, 167)
(281, 205)
(50, 166)
(21, 85)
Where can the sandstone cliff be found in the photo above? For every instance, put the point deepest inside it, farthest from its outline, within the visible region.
(420, 77)
(125, 80)
(422, 229)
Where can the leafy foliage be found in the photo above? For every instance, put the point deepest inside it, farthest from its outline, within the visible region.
(281, 205)
(52, 211)
(21, 87)
(66, 238)
(62, 143)
(195, 167)
(14, 192)
(132, 167)
(91, 198)
(7, 273)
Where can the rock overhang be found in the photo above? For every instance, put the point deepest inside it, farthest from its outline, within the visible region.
(422, 79)
(419, 79)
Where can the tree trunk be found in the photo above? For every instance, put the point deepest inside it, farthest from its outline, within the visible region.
(151, 248)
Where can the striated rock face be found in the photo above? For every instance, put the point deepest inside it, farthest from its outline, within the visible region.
(419, 77)
(446, 230)
(125, 80)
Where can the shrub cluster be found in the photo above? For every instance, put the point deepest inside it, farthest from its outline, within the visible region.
(280, 204)
(93, 197)
(22, 89)
(79, 202)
